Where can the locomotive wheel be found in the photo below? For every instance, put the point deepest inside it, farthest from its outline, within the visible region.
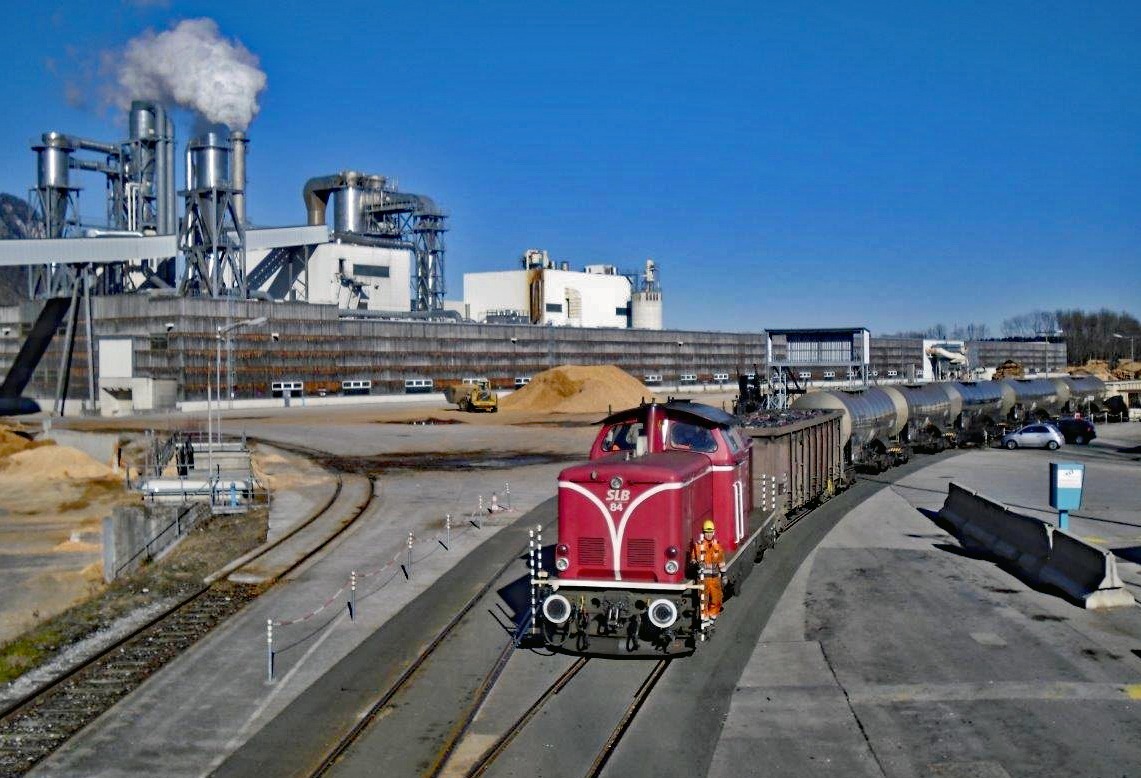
(1011, 445)
(1052, 445)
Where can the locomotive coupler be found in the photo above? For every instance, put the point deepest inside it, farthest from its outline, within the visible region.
(613, 618)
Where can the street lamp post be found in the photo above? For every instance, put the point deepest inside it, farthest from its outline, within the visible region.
(1119, 336)
(218, 363)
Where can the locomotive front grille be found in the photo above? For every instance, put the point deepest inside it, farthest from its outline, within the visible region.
(591, 551)
(640, 552)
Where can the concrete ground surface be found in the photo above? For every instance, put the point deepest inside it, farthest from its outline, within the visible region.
(892, 652)
(189, 717)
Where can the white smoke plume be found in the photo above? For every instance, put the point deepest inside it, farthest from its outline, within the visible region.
(193, 66)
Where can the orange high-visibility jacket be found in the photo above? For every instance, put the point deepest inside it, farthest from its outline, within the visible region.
(708, 556)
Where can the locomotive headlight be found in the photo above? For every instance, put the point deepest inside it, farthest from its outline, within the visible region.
(557, 609)
(671, 552)
(562, 551)
(663, 613)
(562, 563)
(671, 566)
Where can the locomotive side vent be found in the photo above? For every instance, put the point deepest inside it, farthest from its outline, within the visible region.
(640, 552)
(591, 551)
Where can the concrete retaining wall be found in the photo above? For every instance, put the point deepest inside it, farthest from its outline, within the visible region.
(100, 446)
(1043, 553)
(136, 534)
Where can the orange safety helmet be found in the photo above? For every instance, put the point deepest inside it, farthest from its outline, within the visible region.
(707, 526)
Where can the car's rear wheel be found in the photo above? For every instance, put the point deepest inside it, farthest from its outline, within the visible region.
(1080, 439)
(1052, 445)
(1010, 444)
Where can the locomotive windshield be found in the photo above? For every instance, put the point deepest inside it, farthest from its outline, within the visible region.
(690, 437)
(622, 437)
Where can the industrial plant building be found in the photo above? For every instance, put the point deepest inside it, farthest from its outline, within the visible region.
(546, 293)
(148, 308)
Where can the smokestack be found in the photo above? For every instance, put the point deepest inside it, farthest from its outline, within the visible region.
(170, 224)
(238, 141)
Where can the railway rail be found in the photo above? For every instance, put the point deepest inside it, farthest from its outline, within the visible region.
(34, 726)
(488, 758)
(403, 682)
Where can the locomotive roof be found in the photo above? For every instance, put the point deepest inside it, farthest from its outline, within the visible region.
(705, 415)
(660, 467)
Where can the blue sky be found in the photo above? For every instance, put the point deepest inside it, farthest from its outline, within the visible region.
(891, 165)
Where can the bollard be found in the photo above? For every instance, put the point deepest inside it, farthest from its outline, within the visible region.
(701, 598)
(409, 554)
(269, 650)
(494, 508)
(534, 575)
(538, 549)
(448, 527)
(353, 595)
(507, 494)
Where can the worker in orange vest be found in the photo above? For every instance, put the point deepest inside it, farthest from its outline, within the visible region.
(708, 558)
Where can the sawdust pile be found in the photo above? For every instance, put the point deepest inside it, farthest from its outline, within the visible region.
(578, 389)
(1099, 368)
(12, 442)
(45, 463)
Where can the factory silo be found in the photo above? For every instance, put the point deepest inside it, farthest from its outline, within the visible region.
(646, 301)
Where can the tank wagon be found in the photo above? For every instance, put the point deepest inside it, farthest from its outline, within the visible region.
(882, 424)
(870, 425)
(1035, 398)
(1085, 393)
(622, 582)
(982, 406)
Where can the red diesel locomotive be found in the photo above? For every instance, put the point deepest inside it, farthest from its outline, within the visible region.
(624, 582)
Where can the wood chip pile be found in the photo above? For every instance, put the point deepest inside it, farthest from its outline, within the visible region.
(578, 389)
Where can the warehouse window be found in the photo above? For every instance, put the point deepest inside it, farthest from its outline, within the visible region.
(372, 271)
(621, 311)
(159, 342)
(554, 307)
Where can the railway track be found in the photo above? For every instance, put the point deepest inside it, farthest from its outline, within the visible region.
(488, 758)
(419, 665)
(34, 726)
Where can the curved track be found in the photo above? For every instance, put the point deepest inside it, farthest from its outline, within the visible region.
(34, 726)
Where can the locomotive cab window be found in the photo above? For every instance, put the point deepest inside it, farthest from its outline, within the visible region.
(690, 437)
(733, 438)
(622, 437)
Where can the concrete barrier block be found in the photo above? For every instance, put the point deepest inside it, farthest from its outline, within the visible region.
(958, 506)
(987, 523)
(1042, 552)
(1085, 572)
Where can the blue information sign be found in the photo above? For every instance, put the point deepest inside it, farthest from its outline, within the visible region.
(1066, 482)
